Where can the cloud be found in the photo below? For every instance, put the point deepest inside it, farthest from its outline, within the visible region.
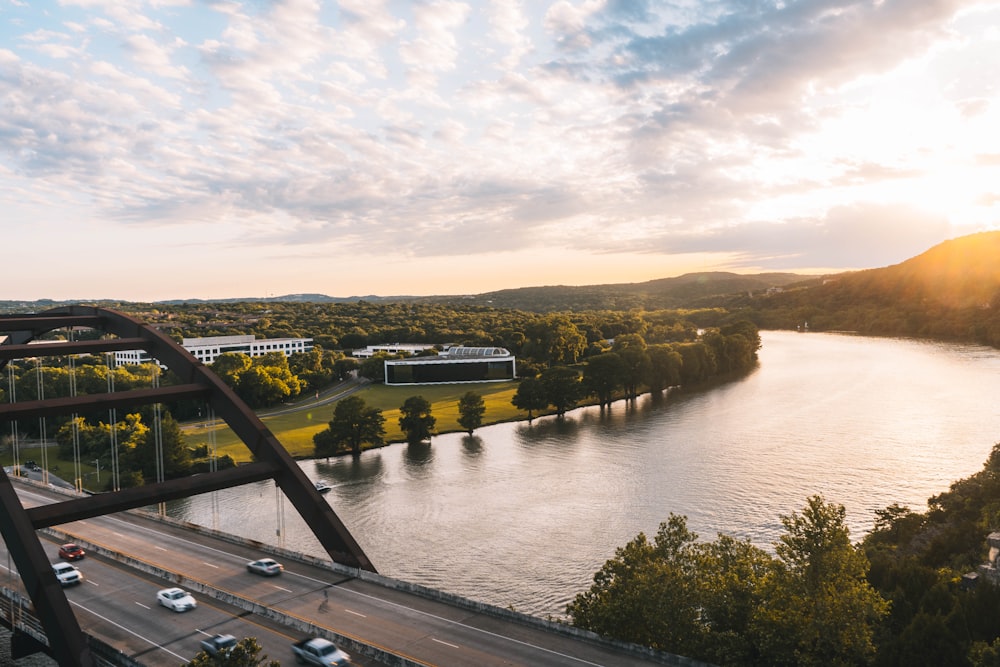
(443, 128)
(861, 235)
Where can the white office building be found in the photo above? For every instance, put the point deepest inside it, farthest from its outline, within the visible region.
(207, 349)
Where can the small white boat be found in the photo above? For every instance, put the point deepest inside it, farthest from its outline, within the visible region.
(322, 487)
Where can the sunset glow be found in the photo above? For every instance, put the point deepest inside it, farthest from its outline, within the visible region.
(158, 150)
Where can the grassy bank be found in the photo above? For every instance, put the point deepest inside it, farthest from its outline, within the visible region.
(295, 429)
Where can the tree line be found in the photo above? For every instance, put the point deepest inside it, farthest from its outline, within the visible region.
(910, 592)
(622, 368)
(564, 359)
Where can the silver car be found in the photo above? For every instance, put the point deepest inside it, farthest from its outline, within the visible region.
(267, 567)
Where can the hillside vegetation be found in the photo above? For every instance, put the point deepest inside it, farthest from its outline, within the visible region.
(950, 292)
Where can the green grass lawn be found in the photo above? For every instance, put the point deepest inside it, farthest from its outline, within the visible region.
(295, 430)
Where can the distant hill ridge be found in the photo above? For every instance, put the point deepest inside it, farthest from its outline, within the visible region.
(950, 292)
(653, 294)
(962, 273)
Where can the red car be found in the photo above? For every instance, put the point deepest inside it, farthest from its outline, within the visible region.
(71, 551)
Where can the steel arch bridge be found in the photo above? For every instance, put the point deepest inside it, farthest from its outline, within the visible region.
(120, 332)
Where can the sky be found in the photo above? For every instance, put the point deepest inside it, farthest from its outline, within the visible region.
(182, 149)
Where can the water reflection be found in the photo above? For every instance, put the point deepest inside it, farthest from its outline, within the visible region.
(419, 454)
(523, 514)
(472, 445)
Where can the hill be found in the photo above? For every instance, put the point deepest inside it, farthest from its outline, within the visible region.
(660, 294)
(663, 293)
(950, 292)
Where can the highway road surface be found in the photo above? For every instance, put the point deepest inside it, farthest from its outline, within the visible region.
(118, 604)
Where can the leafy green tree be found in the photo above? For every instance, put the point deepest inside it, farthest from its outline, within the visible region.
(664, 367)
(310, 368)
(697, 362)
(373, 367)
(344, 366)
(229, 366)
(820, 608)
(530, 396)
(635, 362)
(176, 457)
(416, 420)
(246, 653)
(354, 423)
(648, 593)
(471, 409)
(563, 388)
(554, 339)
(731, 603)
(603, 375)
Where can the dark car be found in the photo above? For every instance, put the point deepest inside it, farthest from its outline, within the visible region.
(71, 551)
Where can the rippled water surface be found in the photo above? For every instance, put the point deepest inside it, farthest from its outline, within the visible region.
(522, 514)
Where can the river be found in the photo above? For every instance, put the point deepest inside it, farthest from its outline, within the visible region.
(521, 515)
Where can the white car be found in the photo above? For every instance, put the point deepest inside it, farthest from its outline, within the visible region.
(177, 599)
(267, 567)
(67, 574)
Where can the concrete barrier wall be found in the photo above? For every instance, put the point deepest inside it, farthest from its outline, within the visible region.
(351, 643)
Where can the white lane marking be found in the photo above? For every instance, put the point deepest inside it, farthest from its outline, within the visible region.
(379, 601)
(210, 565)
(131, 632)
(445, 643)
(92, 582)
(356, 613)
(287, 590)
(143, 606)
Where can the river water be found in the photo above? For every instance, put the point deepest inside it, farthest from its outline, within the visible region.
(521, 515)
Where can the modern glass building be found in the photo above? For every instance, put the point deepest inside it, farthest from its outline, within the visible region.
(454, 365)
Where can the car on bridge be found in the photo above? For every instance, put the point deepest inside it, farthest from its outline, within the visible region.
(267, 567)
(71, 551)
(218, 645)
(67, 574)
(177, 599)
(320, 652)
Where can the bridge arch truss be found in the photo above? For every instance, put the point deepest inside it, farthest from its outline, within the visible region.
(119, 332)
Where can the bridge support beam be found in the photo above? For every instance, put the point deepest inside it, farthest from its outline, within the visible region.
(18, 525)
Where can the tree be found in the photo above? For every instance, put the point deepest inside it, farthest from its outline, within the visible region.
(636, 367)
(563, 388)
(354, 423)
(820, 608)
(373, 367)
(416, 420)
(664, 367)
(603, 375)
(173, 459)
(246, 653)
(731, 603)
(647, 593)
(530, 396)
(554, 339)
(471, 409)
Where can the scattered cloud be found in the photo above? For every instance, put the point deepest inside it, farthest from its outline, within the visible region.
(800, 135)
